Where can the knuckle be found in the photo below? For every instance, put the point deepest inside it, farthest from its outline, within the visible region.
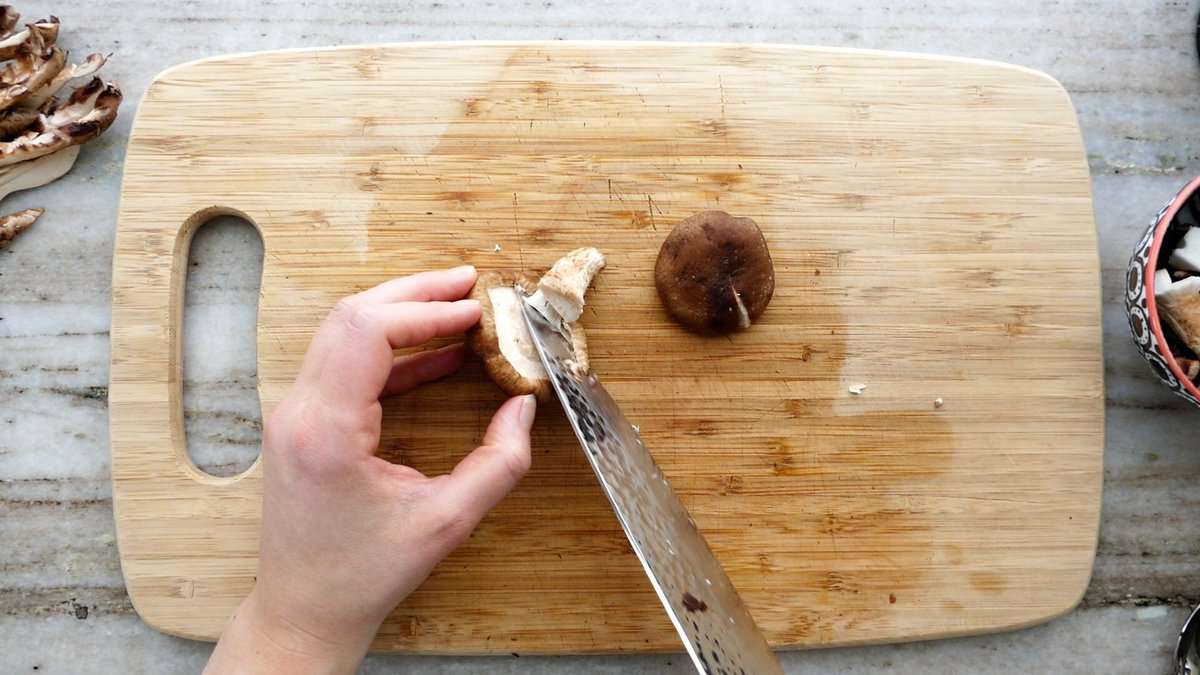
(454, 527)
(353, 315)
(517, 463)
(293, 437)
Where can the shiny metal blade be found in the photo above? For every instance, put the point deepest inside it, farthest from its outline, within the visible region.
(716, 629)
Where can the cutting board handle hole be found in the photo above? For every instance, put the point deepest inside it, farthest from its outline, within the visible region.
(222, 415)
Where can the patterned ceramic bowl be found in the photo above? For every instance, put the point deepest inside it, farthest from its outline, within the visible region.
(1147, 330)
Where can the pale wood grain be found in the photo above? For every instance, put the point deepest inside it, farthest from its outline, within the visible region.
(932, 230)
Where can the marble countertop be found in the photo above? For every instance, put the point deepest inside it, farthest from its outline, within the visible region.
(1131, 70)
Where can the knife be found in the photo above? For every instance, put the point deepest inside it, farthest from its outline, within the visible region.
(717, 630)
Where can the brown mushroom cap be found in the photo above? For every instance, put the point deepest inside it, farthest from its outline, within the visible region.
(714, 272)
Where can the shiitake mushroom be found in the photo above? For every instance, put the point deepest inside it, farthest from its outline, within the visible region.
(501, 339)
(714, 272)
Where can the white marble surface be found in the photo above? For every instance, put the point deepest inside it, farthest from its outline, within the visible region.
(1132, 72)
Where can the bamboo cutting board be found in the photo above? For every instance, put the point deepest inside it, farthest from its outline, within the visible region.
(931, 224)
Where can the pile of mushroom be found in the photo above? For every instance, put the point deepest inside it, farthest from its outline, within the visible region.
(40, 133)
(1177, 292)
(501, 339)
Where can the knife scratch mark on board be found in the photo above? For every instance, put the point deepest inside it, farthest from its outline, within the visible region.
(517, 227)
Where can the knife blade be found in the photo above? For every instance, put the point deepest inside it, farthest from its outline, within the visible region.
(716, 629)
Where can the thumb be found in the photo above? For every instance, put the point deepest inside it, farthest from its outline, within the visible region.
(489, 473)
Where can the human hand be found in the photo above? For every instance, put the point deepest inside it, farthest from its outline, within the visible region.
(346, 535)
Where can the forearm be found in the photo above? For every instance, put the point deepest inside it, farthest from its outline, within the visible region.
(255, 641)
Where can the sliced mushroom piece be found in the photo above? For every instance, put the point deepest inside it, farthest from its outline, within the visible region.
(9, 16)
(33, 68)
(16, 223)
(37, 172)
(40, 34)
(45, 95)
(89, 111)
(502, 339)
(16, 120)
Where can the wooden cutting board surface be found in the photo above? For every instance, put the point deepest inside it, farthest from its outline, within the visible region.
(931, 224)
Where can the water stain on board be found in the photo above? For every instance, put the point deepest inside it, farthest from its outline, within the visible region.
(850, 472)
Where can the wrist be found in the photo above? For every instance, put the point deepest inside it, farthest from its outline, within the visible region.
(261, 640)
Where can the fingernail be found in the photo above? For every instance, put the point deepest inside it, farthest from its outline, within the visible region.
(463, 269)
(528, 410)
(469, 303)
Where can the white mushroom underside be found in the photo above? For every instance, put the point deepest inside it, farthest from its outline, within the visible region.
(515, 343)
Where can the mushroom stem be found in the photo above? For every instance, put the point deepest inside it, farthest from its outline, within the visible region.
(16, 223)
(743, 316)
(564, 286)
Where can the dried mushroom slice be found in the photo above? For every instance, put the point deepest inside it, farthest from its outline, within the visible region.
(89, 111)
(16, 223)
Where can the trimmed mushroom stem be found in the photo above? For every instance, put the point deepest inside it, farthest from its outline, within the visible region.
(16, 223)
(564, 286)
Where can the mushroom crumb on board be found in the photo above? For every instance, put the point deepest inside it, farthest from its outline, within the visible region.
(39, 134)
(501, 339)
(714, 272)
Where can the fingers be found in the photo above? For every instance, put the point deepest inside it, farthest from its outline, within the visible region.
(417, 369)
(449, 284)
(402, 324)
(356, 358)
(489, 473)
(408, 324)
